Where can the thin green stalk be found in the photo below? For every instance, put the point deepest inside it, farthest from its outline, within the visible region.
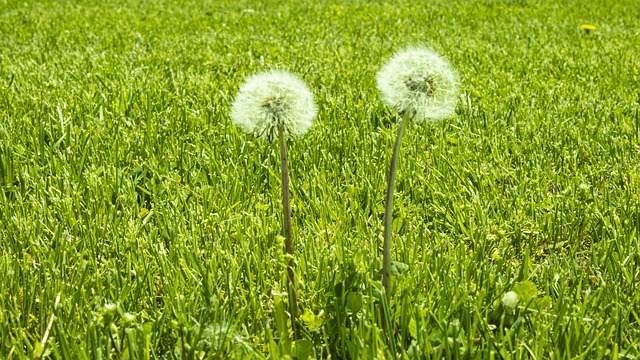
(388, 208)
(388, 219)
(286, 208)
(384, 313)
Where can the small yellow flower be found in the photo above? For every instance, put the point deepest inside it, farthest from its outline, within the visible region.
(143, 212)
(587, 28)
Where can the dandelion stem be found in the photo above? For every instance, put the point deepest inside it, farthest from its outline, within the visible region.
(286, 208)
(388, 208)
(386, 250)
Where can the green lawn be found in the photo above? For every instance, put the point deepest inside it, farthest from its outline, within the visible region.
(146, 225)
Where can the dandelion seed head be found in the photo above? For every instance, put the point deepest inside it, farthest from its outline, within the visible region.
(420, 81)
(269, 99)
(510, 299)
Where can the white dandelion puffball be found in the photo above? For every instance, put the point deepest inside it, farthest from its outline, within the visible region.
(419, 81)
(510, 300)
(271, 98)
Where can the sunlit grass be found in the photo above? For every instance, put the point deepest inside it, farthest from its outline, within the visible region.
(128, 192)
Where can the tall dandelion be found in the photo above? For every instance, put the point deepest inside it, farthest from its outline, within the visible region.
(419, 85)
(270, 105)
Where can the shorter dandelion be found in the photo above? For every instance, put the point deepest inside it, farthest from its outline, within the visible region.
(270, 105)
(272, 100)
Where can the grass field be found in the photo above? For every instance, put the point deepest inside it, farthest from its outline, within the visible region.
(136, 221)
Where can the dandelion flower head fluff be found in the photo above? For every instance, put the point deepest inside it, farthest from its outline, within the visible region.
(271, 98)
(421, 81)
(510, 299)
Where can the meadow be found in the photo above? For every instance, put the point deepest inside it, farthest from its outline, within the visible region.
(136, 221)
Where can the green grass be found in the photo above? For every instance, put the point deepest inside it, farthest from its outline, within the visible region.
(125, 183)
